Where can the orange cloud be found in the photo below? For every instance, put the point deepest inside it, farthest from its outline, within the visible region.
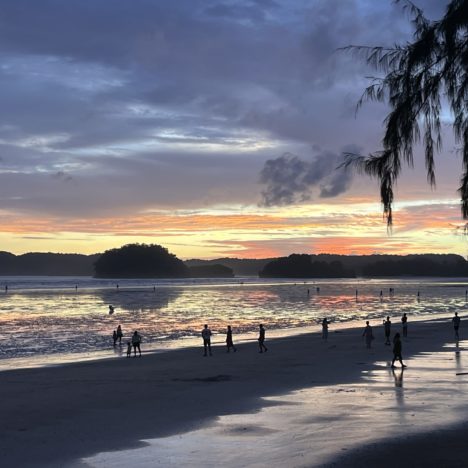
(348, 229)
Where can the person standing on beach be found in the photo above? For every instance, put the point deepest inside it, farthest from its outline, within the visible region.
(206, 335)
(261, 340)
(456, 325)
(229, 342)
(325, 323)
(114, 337)
(136, 340)
(404, 323)
(119, 334)
(368, 335)
(397, 350)
(387, 328)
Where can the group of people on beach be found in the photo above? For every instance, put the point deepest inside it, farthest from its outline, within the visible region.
(397, 346)
(367, 334)
(134, 343)
(206, 336)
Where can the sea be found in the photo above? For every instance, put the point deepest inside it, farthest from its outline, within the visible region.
(52, 320)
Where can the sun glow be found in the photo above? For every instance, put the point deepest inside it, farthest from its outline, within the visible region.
(249, 232)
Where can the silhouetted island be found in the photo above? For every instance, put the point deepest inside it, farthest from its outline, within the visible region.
(139, 261)
(346, 266)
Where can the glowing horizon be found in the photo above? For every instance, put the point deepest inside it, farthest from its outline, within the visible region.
(182, 128)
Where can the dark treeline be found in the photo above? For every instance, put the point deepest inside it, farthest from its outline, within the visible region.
(211, 271)
(332, 266)
(47, 264)
(295, 266)
(240, 266)
(302, 266)
(415, 266)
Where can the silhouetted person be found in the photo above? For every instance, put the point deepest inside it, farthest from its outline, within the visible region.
(387, 328)
(404, 323)
(368, 335)
(114, 337)
(397, 350)
(229, 342)
(129, 348)
(119, 334)
(136, 341)
(308, 292)
(456, 325)
(117, 286)
(76, 287)
(206, 335)
(317, 290)
(261, 339)
(6, 288)
(111, 309)
(325, 323)
(381, 295)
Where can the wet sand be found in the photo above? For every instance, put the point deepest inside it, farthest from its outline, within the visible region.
(179, 408)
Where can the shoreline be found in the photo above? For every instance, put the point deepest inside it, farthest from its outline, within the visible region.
(73, 411)
(117, 352)
(111, 353)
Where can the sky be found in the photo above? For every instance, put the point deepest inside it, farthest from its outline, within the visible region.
(212, 127)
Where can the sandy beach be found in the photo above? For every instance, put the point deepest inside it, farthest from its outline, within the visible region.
(179, 408)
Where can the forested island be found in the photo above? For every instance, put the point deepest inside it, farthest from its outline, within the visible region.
(154, 261)
(47, 264)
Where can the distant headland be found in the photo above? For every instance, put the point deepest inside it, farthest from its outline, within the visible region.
(155, 261)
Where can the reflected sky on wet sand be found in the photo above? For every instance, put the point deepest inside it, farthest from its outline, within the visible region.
(312, 426)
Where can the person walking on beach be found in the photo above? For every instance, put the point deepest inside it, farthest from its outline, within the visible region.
(456, 325)
(368, 335)
(136, 340)
(229, 342)
(119, 334)
(387, 328)
(325, 323)
(206, 335)
(261, 339)
(404, 323)
(397, 350)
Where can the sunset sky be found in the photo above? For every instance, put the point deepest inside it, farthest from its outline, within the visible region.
(211, 127)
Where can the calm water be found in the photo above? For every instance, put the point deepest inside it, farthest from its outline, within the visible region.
(44, 318)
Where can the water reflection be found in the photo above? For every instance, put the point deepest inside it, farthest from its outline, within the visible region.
(398, 376)
(139, 299)
(399, 391)
(44, 321)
